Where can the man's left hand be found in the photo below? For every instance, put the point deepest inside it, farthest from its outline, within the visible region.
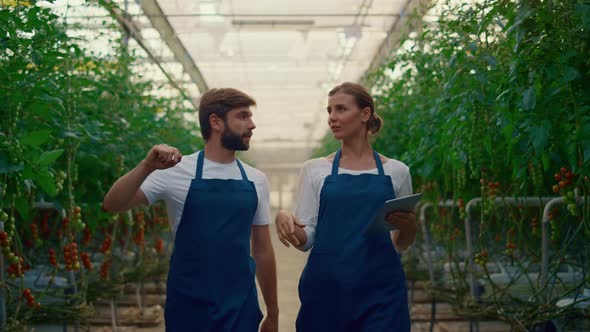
(270, 324)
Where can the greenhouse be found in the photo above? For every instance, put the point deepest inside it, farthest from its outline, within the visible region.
(227, 165)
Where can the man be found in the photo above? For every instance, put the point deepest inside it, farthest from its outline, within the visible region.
(216, 205)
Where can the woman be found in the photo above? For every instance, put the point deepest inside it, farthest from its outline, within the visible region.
(353, 280)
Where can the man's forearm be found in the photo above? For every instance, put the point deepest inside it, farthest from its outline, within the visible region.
(120, 196)
(266, 273)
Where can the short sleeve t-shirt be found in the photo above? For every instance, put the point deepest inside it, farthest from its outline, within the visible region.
(312, 178)
(171, 185)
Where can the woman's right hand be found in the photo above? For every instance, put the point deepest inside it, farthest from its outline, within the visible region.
(162, 156)
(286, 224)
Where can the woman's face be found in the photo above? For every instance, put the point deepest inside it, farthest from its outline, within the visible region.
(345, 118)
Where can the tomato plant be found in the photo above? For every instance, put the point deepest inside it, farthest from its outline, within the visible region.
(72, 122)
(491, 100)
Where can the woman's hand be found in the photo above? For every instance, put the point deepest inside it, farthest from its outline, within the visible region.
(405, 234)
(290, 229)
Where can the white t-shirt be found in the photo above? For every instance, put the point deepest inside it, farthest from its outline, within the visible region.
(172, 184)
(312, 179)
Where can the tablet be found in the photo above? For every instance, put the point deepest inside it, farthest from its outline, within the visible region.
(406, 203)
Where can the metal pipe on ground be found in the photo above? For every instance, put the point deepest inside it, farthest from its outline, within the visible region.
(545, 233)
(504, 201)
(428, 252)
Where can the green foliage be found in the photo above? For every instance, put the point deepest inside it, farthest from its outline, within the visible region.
(492, 99)
(65, 107)
(493, 88)
(71, 123)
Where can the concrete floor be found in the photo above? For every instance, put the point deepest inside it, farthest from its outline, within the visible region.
(290, 263)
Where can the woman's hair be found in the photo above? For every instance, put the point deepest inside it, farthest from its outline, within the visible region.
(363, 99)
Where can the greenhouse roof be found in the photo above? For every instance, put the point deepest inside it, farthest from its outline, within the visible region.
(286, 54)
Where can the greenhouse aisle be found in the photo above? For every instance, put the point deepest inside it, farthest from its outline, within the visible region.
(290, 263)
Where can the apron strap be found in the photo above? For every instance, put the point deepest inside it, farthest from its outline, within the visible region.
(201, 159)
(244, 176)
(336, 162)
(378, 162)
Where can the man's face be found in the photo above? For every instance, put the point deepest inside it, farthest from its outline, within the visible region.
(238, 129)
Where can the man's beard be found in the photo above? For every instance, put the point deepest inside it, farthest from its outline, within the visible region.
(234, 141)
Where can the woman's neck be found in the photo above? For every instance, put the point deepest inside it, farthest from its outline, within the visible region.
(357, 153)
(356, 147)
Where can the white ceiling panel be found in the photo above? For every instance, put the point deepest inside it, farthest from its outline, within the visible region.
(286, 54)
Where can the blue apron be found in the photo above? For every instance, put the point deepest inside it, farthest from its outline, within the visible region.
(211, 283)
(353, 281)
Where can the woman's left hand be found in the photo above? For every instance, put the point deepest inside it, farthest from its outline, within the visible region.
(405, 234)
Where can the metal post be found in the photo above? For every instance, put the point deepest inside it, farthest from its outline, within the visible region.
(427, 240)
(125, 38)
(505, 201)
(545, 234)
(545, 238)
(428, 251)
(426, 244)
(113, 315)
(2, 291)
(470, 263)
(547, 202)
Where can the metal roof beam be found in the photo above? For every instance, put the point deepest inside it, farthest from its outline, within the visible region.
(399, 30)
(129, 26)
(160, 22)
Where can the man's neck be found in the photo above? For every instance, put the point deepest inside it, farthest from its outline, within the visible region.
(214, 151)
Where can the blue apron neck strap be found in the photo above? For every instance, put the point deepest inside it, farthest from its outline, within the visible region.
(378, 162)
(336, 162)
(244, 176)
(201, 159)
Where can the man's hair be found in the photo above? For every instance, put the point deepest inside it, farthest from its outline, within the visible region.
(220, 102)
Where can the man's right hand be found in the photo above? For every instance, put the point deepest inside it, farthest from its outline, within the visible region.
(162, 156)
